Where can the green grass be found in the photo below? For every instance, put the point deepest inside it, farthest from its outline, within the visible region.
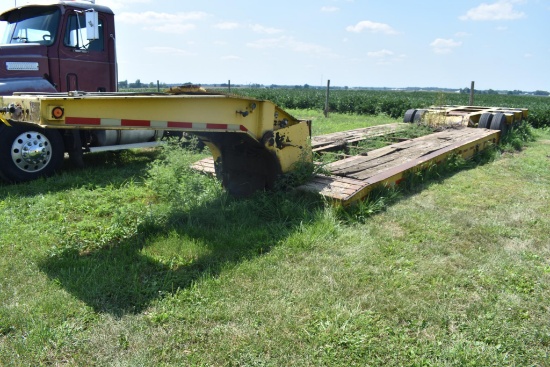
(339, 121)
(137, 261)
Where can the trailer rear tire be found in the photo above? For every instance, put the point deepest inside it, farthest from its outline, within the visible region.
(244, 184)
(243, 164)
(28, 152)
(499, 123)
(418, 116)
(409, 116)
(485, 121)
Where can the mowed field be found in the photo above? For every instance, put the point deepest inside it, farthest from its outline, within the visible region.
(136, 260)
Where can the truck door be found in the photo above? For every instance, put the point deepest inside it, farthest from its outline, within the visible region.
(84, 64)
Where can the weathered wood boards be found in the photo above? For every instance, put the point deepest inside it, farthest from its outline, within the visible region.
(343, 138)
(352, 178)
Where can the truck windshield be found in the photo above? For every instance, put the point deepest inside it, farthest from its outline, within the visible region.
(31, 25)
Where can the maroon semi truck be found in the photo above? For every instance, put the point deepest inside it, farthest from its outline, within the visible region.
(54, 48)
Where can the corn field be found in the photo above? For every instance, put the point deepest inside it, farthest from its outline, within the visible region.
(395, 103)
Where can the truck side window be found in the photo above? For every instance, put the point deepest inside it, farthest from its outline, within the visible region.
(76, 36)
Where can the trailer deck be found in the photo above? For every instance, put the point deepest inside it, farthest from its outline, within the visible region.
(342, 139)
(351, 179)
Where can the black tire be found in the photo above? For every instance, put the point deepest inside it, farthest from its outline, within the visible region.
(244, 184)
(28, 152)
(499, 123)
(246, 167)
(409, 116)
(73, 145)
(485, 121)
(418, 116)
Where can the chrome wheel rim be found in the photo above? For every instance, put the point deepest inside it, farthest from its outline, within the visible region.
(31, 151)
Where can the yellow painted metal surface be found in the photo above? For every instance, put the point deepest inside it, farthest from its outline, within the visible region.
(468, 116)
(256, 116)
(261, 121)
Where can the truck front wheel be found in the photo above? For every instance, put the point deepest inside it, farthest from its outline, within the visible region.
(28, 152)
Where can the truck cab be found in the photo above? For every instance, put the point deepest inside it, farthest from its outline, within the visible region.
(60, 47)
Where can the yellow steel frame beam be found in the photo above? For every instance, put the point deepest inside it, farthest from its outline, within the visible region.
(264, 122)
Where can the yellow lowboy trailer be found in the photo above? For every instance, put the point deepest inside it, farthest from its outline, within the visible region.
(252, 141)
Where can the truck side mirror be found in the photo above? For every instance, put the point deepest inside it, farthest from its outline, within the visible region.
(92, 25)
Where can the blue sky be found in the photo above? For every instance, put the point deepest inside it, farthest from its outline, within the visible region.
(499, 44)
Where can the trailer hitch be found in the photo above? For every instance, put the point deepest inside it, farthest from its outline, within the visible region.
(10, 109)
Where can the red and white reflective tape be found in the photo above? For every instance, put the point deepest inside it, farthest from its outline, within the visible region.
(196, 126)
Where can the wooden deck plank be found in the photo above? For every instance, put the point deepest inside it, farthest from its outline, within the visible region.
(353, 177)
(205, 165)
(388, 165)
(396, 154)
(339, 139)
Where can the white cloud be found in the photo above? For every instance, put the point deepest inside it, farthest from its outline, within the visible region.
(371, 27)
(286, 42)
(169, 51)
(500, 10)
(385, 57)
(172, 28)
(329, 9)
(444, 46)
(257, 28)
(121, 4)
(231, 57)
(380, 54)
(462, 34)
(176, 23)
(227, 26)
(151, 17)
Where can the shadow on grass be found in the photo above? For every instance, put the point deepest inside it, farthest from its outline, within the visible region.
(121, 279)
(101, 170)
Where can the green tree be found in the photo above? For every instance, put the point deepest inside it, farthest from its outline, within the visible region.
(137, 84)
